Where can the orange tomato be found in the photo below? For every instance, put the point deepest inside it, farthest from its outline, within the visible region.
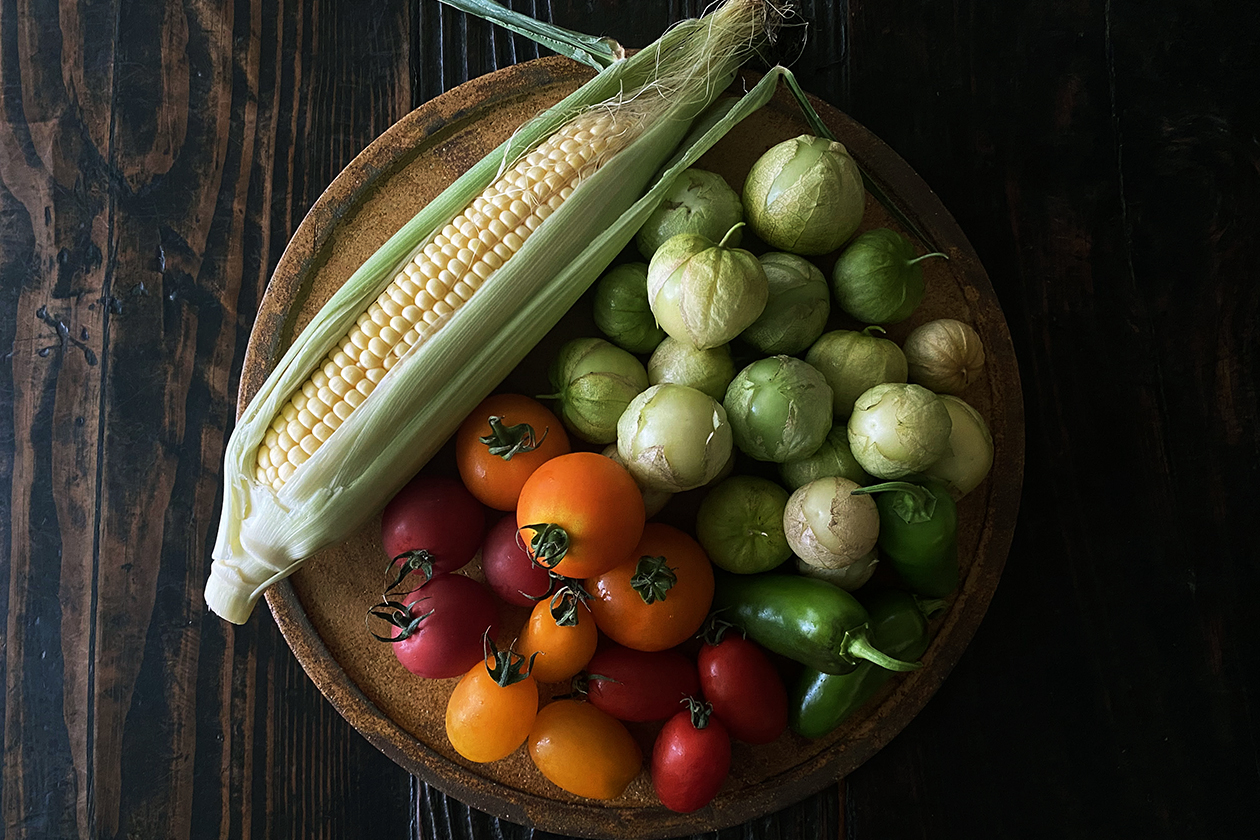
(526, 434)
(586, 503)
(562, 650)
(660, 596)
(486, 721)
(582, 750)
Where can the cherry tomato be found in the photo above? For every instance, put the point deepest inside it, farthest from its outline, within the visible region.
(502, 442)
(437, 629)
(745, 689)
(563, 648)
(660, 596)
(639, 686)
(582, 514)
(491, 710)
(510, 571)
(435, 522)
(583, 750)
(690, 759)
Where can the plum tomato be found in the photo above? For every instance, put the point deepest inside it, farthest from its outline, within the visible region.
(510, 571)
(745, 688)
(581, 514)
(432, 525)
(502, 442)
(561, 630)
(437, 630)
(659, 596)
(690, 759)
(583, 750)
(640, 686)
(492, 709)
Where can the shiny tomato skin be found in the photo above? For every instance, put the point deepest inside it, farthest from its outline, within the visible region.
(497, 482)
(690, 765)
(624, 616)
(562, 651)
(449, 640)
(486, 721)
(583, 750)
(745, 689)
(436, 514)
(640, 686)
(511, 573)
(595, 500)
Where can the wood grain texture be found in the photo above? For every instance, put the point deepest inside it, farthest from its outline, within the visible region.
(155, 157)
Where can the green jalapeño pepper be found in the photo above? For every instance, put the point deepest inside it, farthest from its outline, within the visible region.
(918, 533)
(803, 618)
(819, 702)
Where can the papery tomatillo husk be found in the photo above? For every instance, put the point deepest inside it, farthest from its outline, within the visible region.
(944, 355)
(699, 202)
(853, 362)
(832, 458)
(969, 455)
(878, 278)
(897, 429)
(621, 309)
(779, 409)
(805, 195)
(703, 292)
(827, 526)
(679, 362)
(654, 501)
(797, 309)
(850, 578)
(674, 438)
(594, 382)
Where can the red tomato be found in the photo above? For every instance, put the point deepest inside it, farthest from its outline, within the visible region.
(510, 571)
(450, 615)
(585, 509)
(436, 521)
(502, 442)
(690, 760)
(563, 649)
(745, 689)
(637, 685)
(659, 597)
(584, 751)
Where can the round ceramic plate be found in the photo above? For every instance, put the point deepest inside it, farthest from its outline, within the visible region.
(320, 610)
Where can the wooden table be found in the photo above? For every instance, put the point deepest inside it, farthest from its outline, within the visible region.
(1102, 158)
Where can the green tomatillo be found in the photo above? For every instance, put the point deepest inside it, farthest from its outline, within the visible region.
(878, 279)
(699, 202)
(594, 382)
(621, 309)
(853, 362)
(779, 409)
(797, 309)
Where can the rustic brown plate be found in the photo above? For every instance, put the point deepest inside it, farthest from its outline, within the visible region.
(320, 609)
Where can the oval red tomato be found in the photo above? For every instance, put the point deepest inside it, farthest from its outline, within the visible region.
(690, 761)
(745, 688)
(446, 620)
(436, 520)
(638, 685)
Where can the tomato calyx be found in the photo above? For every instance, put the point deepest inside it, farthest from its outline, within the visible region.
(415, 560)
(715, 629)
(653, 578)
(506, 441)
(509, 666)
(548, 545)
(397, 614)
(700, 711)
(566, 600)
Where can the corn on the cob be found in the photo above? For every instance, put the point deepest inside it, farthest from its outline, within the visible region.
(434, 283)
(391, 365)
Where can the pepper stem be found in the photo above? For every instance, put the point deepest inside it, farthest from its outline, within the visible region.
(915, 503)
(858, 644)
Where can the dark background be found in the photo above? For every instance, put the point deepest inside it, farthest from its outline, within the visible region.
(1101, 156)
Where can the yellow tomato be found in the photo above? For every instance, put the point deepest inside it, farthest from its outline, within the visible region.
(584, 751)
